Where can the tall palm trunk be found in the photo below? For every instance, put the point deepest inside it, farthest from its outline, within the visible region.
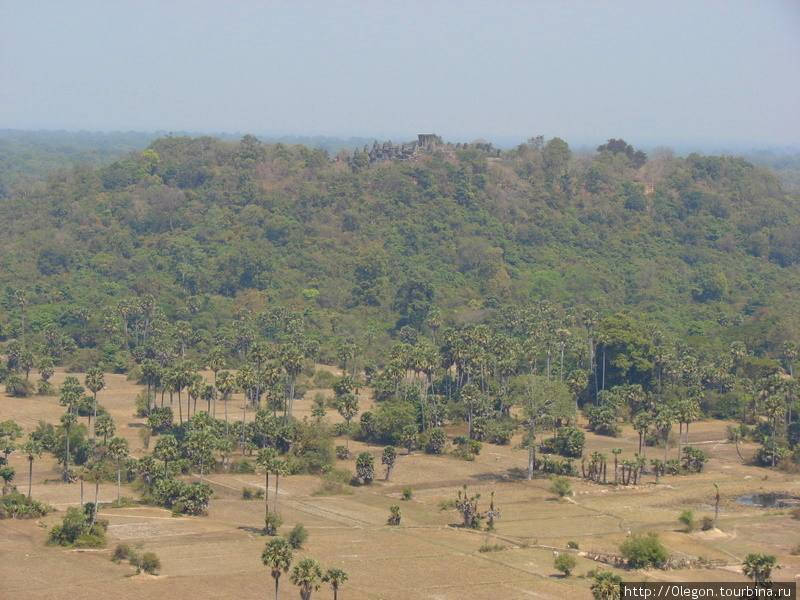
(119, 481)
(30, 476)
(275, 505)
(266, 495)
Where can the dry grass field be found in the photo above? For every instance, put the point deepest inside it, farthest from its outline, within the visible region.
(219, 555)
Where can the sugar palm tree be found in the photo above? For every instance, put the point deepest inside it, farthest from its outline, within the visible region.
(306, 575)
(245, 379)
(104, 426)
(201, 444)
(118, 449)
(33, 450)
(150, 371)
(277, 555)
(336, 577)
(292, 363)
(68, 419)
(226, 383)
(259, 354)
(266, 458)
(758, 567)
(216, 362)
(167, 449)
(95, 381)
(279, 467)
(347, 405)
(616, 452)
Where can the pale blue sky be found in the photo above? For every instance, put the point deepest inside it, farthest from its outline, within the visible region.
(654, 72)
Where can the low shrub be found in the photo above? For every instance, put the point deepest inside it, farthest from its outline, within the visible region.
(492, 548)
(77, 531)
(16, 506)
(298, 536)
(122, 552)
(560, 486)
(686, 519)
(272, 523)
(249, 493)
(242, 467)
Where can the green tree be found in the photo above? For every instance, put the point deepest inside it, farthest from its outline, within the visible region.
(643, 551)
(118, 449)
(32, 450)
(365, 467)
(606, 586)
(556, 156)
(298, 536)
(95, 381)
(336, 577)
(167, 449)
(560, 486)
(388, 459)
(758, 567)
(6, 474)
(394, 515)
(565, 563)
(347, 405)
(105, 426)
(266, 458)
(306, 575)
(277, 555)
(68, 419)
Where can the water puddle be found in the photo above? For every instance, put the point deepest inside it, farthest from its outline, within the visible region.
(771, 500)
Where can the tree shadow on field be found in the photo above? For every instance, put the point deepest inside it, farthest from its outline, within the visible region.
(256, 530)
(512, 474)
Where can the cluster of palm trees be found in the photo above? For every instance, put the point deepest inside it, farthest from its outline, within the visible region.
(306, 574)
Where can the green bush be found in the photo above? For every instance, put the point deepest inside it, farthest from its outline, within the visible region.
(686, 519)
(335, 483)
(17, 506)
(249, 493)
(45, 388)
(150, 563)
(565, 563)
(560, 486)
(75, 530)
(644, 551)
(569, 442)
(272, 523)
(436, 441)
(408, 492)
(18, 387)
(122, 552)
(242, 467)
(298, 536)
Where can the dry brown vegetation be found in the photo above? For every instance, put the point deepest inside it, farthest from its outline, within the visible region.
(218, 556)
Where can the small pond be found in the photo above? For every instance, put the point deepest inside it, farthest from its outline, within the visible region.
(771, 500)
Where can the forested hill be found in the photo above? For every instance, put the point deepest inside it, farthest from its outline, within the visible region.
(695, 246)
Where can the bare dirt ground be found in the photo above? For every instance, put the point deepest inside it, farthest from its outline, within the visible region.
(219, 555)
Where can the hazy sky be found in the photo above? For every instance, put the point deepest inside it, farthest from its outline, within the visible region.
(667, 71)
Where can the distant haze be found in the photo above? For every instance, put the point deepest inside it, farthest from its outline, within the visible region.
(710, 73)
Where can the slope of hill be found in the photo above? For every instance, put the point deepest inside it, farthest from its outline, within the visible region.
(695, 245)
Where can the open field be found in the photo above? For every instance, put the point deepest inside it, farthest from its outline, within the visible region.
(218, 556)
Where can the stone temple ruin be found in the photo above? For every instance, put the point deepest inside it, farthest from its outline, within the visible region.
(427, 143)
